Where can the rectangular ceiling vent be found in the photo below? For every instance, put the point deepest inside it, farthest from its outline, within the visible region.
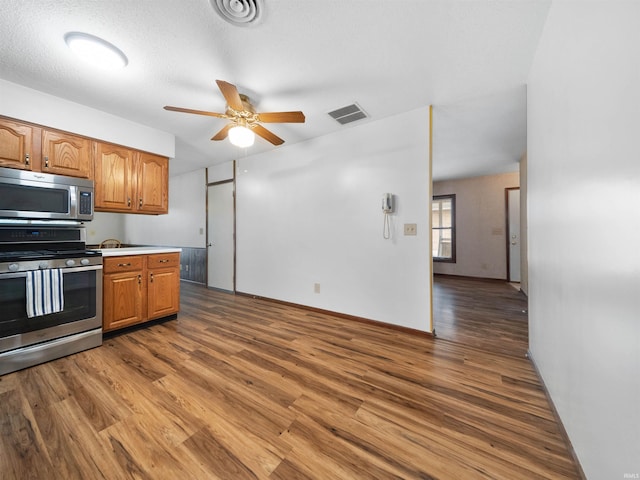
(348, 114)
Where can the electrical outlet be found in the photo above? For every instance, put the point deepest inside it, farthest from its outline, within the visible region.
(410, 228)
(316, 288)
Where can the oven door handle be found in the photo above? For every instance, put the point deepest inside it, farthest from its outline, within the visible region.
(65, 271)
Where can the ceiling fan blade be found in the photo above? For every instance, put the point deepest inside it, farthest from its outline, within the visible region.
(198, 112)
(222, 134)
(267, 135)
(281, 117)
(231, 95)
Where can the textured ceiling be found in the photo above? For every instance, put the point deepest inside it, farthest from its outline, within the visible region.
(470, 59)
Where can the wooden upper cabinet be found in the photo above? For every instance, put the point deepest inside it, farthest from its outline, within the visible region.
(66, 154)
(17, 147)
(130, 181)
(153, 183)
(125, 180)
(114, 178)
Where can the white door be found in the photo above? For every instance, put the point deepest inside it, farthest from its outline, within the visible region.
(513, 214)
(220, 236)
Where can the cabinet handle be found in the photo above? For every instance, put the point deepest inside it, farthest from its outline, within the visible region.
(151, 278)
(26, 159)
(139, 279)
(128, 201)
(164, 260)
(141, 202)
(124, 264)
(46, 162)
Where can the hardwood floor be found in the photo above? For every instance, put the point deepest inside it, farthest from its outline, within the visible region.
(238, 388)
(487, 314)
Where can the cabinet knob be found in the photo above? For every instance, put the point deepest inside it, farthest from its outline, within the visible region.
(140, 202)
(151, 278)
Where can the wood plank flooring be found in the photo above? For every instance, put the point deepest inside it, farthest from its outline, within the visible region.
(239, 388)
(486, 314)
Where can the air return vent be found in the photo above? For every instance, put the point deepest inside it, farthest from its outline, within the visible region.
(242, 13)
(348, 114)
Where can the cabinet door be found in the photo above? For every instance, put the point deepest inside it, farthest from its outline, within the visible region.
(16, 145)
(114, 178)
(163, 290)
(123, 295)
(66, 154)
(153, 183)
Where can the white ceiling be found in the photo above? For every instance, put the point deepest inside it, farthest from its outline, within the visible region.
(469, 58)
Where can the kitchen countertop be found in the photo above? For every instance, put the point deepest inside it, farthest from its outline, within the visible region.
(119, 252)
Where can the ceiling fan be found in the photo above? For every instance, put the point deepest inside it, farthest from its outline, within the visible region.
(244, 121)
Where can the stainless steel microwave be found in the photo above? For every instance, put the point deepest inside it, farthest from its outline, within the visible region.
(43, 196)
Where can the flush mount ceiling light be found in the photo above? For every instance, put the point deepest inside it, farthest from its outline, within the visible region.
(95, 50)
(241, 136)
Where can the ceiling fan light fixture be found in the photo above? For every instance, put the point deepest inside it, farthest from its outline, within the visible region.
(95, 50)
(241, 136)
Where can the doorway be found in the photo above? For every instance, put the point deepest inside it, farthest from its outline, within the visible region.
(513, 234)
(221, 236)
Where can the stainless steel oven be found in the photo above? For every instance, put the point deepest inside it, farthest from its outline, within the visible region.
(27, 339)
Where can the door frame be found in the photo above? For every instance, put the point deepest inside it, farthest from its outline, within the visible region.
(507, 232)
(213, 184)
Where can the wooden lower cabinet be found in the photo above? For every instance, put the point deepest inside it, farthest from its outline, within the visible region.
(138, 288)
(163, 284)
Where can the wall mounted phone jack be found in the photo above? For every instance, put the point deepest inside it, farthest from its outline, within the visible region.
(387, 209)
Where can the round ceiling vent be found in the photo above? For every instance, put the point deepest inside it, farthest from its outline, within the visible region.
(239, 12)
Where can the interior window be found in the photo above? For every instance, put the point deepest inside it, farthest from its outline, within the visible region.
(443, 228)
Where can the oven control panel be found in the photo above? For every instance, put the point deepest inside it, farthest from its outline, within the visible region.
(14, 266)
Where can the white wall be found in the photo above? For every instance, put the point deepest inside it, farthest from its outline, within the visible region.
(221, 172)
(311, 213)
(481, 244)
(524, 227)
(103, 226)
(584, 228)
(184, 225)
(33, 106)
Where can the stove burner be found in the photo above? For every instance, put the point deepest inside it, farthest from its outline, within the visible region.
(23, 249)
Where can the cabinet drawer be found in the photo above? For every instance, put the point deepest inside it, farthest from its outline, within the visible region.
(161, 260)
(123, 264)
